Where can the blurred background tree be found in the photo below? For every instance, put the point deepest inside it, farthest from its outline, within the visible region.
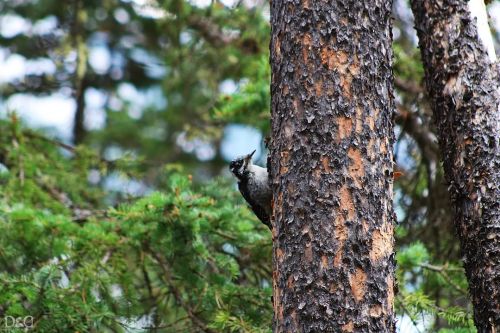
(118, 215)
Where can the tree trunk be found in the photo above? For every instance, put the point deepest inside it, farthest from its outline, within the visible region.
(464, 90)
(331, 166)
(79, 80)
(79, 131)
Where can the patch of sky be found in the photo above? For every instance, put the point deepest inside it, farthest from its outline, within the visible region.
(228, 87)
(12, 66)
(202, 149)
(154, 66)
(95, 115)
(54, 112)
(240, 140)
(148, 9)
(45, 26)
(121, 15)
(12, 25)
(116, 182)
(402, 152)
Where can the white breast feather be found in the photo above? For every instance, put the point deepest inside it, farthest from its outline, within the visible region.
(259, 186)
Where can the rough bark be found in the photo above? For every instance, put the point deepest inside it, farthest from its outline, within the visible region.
(331, 166)
(464, 91)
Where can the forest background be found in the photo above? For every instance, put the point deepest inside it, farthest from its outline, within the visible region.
(117, 122)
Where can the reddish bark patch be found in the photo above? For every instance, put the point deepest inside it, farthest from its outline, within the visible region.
(356, 166)
(338, 257)
(306, 47)
(325, 55)
(279, 204)
(338, 60)
(390, 294)
(342, 58)
(383, 147)
(349, 327)
(357, 282)
(285, 159)
(318, 87)
(324, 262)
(381, 243)
(326, 164)
(375, 311)
(277, 47)
(354, 67)
(341, 236)
(279, 254)
(334, 59)
(371, 123)
(345, 83)
(278, 310)
(345, 128)
(341, 231)
(359, 119)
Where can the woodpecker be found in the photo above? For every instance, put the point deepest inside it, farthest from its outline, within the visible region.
(253, 183)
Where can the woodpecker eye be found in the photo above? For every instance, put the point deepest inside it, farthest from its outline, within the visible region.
(235, 165)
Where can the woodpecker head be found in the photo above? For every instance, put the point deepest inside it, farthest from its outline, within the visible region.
(240, 165)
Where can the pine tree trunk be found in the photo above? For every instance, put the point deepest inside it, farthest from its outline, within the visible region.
(331, 165)
(464, 90)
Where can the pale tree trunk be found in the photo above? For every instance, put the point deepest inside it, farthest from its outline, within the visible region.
(463, 86)
(331, 166)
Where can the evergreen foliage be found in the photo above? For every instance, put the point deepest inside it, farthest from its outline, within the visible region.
(188, 258)
(186, 255)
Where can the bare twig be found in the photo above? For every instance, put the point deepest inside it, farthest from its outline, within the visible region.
(442, 270)
(408, 86)
(34, 135)
(424, 137)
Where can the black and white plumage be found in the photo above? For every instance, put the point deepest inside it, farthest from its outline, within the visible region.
(253, 183)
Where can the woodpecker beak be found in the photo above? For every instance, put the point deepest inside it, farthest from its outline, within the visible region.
(248, 158)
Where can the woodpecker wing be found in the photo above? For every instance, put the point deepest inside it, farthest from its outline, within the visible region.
(256, 208)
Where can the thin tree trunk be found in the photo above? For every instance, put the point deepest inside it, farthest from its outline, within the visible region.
(464, 90)
(79, 131)
(331, 166)
(79, 80)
